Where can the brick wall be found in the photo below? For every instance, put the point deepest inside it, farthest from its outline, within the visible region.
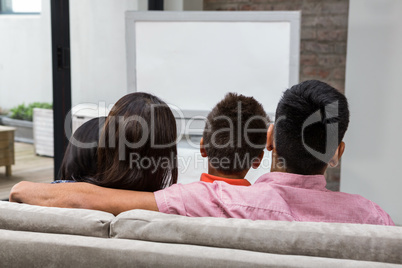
(323, 41)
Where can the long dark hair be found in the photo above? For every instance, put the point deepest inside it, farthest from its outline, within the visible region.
(137, 149)
(80, 160)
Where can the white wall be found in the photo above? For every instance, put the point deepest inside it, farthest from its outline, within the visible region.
(173, 5)
(25, 58)
(193, 5)
(98, 49)
(373, 156)
(98, 53)
(183, 5)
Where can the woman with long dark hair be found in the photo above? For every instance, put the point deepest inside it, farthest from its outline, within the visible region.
(136, 148)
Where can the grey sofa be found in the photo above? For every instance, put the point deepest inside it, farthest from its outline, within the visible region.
(33, 236)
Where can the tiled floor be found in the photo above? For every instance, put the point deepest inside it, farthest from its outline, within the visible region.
(28, 167)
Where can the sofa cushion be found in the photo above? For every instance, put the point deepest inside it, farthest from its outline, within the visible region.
(22, 217)
(332, 240)
(27, 249)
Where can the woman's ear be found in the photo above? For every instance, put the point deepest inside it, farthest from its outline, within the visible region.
(270, 137)
(202, 148)
(257, 161)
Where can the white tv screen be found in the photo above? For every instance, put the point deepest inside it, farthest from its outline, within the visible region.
(192, 63)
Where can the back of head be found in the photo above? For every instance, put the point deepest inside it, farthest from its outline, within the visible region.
(235, 133)
(79, 162)
(137, 148)
(311, 120)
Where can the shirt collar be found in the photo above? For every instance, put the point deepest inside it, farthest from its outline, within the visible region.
(210, 178)
(316, 182)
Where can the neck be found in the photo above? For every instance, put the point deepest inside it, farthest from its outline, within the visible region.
(279, 165)
(212, 171)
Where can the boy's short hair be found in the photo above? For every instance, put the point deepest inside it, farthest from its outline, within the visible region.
(327, 110)
(235, 133)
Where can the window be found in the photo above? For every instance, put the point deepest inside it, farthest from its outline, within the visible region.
(20, 6)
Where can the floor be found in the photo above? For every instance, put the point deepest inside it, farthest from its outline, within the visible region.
(28, 167)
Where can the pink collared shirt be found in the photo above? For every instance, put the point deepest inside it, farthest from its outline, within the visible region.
(274, 196)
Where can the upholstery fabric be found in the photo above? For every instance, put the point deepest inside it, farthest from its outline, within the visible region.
(22, 217)
(33, 236)
(331, 240)
(28, 249)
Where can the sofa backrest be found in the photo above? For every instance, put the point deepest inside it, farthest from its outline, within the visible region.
(22, 217)
(328, 240)
(331, 240)
(29, 249)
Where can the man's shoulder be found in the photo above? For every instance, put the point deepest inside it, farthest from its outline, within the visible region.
(369, 211)
(383, 214)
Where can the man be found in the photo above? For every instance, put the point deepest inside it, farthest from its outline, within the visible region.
(311, 120)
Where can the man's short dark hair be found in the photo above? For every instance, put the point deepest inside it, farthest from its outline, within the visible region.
(235, 133)
(307, 118)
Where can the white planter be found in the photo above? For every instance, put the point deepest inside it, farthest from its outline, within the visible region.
(43, 131)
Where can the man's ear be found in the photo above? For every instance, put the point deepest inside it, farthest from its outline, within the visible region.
(202, 148)
(270, 137)
(338, 154)
(257, 161)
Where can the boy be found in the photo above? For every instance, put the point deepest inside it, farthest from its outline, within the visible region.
(234, 139)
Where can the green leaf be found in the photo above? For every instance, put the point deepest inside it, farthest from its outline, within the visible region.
(25, 112)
